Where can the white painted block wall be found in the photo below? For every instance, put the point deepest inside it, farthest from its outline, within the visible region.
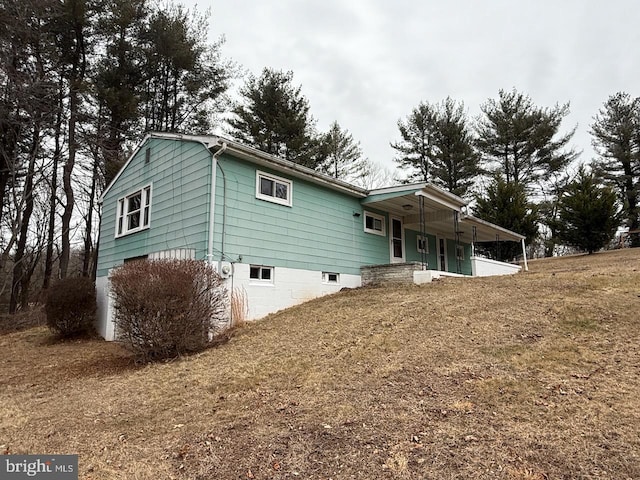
(290, 287)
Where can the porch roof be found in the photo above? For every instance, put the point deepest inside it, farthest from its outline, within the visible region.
(439, 208)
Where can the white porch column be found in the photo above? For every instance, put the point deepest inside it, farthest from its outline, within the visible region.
(524, 254)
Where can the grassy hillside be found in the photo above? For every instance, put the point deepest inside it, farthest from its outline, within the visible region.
(534, 376)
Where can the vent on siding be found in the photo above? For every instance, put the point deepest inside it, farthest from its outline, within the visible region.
(175, 254)
(147, 156)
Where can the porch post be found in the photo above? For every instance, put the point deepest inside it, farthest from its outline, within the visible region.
(474, 239)
(524, 254)
(423, 234)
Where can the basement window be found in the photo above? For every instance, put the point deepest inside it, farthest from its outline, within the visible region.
(133, 212)
(261, 274)
(273, 189)
(331, 278)
(374, 223)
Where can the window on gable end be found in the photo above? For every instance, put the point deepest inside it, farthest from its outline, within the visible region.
(133, 212)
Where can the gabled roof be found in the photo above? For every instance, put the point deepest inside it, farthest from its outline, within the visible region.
(215, 143)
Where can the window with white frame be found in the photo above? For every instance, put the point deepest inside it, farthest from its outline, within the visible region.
(422, 244)
(460, 252)
(261, 274)
(374, 223)
(330, 277)
(134, 212)
(273, 189)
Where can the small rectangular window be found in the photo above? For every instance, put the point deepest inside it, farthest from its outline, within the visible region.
(374, 223)
(273, 189)
(330, 277)
(422, 245)
(460, 252)
(147, 156)
(133, 212)
(261, 274)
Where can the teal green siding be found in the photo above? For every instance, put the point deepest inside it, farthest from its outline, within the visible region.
(465, 265)
(179, 173)
(412, 254)
(318, 232)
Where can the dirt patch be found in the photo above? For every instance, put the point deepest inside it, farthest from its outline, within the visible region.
(533, 376)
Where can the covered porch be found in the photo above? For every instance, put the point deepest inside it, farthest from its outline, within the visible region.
(433, 235)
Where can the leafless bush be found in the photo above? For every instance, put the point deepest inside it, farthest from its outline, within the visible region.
(166, 308)
(70, 307)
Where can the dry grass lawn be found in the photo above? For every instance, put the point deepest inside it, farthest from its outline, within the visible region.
(535, 376)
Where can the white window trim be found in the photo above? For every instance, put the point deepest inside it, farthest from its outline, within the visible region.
(378, 217)
(425, 240)
(326, 281)
(260, 281)
(460, 249)
(280, 201)
(121, 210)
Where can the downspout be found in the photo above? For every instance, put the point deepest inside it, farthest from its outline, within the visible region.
(212, 200)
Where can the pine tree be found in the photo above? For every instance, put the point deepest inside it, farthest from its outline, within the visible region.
(184, 76)
(616, 138)
(505, 204)
(340, 155)
(274, 117)
(437, 146)
(456, 164)
(588, 214)
(521, 141)
(416, 147)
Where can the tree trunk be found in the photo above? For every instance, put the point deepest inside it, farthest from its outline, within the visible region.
(53, 198)
(75, 82)
(18, 264)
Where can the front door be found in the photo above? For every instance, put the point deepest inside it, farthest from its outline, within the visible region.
(397, 240)
(441, 244)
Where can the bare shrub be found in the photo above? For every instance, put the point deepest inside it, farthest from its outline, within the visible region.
(70, 307)
(166, 308)
(239, 307)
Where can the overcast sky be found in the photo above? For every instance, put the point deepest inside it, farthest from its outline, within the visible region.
(366, 64)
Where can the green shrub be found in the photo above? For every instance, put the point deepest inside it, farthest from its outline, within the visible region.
(166, 308)
(70, 307)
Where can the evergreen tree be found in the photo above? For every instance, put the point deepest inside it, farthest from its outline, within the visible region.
(437, 146)
(184, 76)
(549, 214)
(416, 148)
(505, 204)
(456, 164)
(616, 138)
(588, 214)
(340, 155)
(520, 141)
(274, 117)
(118, 80)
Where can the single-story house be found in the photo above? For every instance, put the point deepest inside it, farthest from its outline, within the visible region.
(282, 232)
